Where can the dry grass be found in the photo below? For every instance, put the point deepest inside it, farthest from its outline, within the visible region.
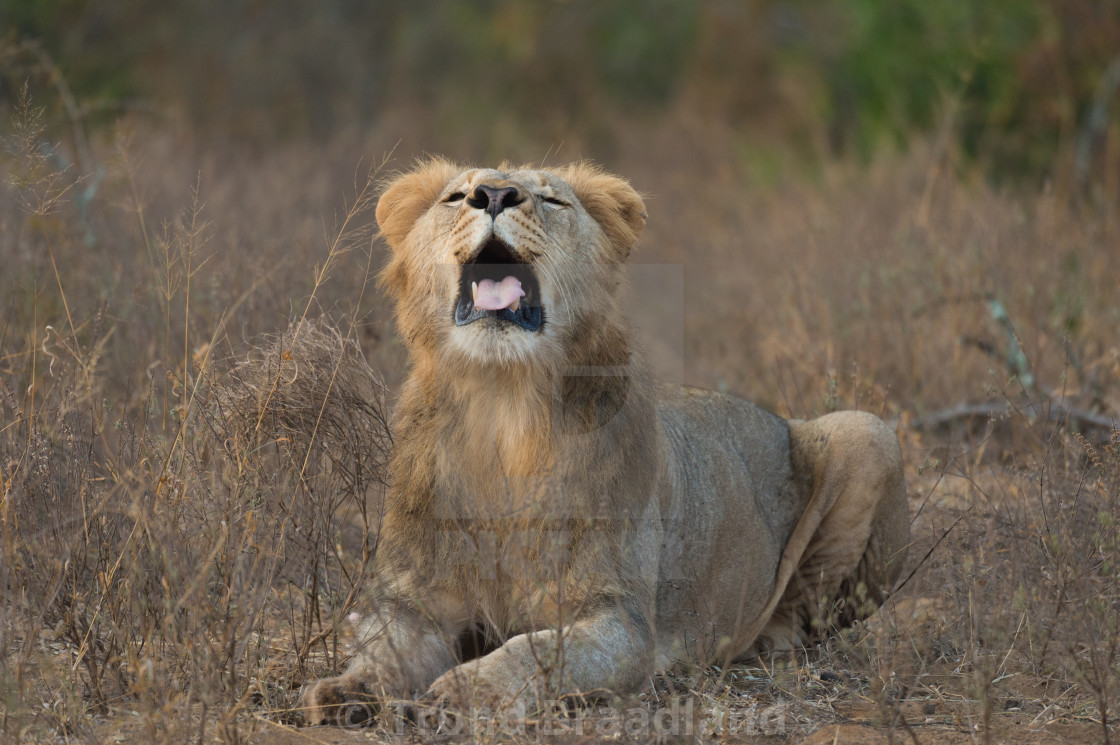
(188, 508)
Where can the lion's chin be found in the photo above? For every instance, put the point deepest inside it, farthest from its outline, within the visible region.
(493, 341)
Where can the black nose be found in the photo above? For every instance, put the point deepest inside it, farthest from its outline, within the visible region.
(494, 200)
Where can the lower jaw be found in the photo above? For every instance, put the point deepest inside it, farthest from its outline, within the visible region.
(528, 318)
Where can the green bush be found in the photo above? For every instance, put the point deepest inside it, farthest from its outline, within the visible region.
(1019, 77)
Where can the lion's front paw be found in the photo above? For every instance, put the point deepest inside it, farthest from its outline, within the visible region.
(342, 701)
(473, 686)
(460, 688)
(452, 690)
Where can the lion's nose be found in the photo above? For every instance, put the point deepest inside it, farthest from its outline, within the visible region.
(494, 199)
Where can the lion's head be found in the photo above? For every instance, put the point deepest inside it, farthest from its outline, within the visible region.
(505, 266)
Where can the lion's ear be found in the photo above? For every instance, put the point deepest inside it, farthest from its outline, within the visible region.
(613, 203)
(408, 197)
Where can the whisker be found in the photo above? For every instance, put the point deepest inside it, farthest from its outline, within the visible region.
(561, 284)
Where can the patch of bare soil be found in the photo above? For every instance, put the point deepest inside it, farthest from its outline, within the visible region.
(1012, 732)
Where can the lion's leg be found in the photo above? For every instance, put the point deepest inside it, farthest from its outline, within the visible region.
(609, 649)
(859, 546)
(400, 652)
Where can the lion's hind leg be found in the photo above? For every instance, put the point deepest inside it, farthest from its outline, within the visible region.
(857, 548)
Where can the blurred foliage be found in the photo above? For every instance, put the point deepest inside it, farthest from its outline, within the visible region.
(1013, 81)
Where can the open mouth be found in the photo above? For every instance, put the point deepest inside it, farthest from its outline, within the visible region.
(497, 284)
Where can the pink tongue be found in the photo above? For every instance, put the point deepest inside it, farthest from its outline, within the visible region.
(497, 295)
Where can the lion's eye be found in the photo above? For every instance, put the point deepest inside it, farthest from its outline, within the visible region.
(457, 196)
(554, 201)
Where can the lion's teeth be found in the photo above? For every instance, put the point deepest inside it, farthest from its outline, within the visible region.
(474, 292)
(515, 305)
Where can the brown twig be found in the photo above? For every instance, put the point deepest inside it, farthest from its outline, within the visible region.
(1049, 409)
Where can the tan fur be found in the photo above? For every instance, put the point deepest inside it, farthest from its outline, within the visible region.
(546, 494)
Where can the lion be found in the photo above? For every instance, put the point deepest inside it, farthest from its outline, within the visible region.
(560, 524)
